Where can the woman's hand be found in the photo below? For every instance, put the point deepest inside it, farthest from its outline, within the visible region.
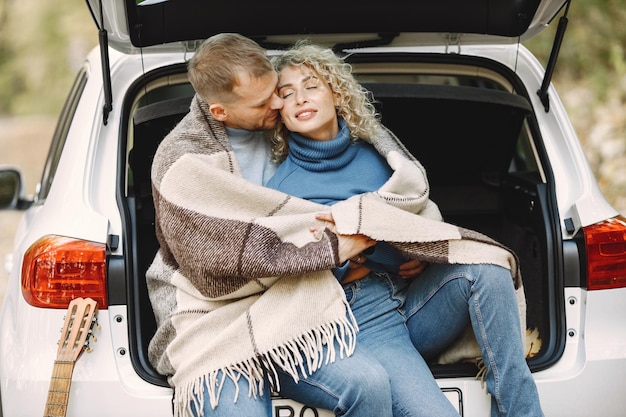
(412, 268)
(350, 246)
(356, 269)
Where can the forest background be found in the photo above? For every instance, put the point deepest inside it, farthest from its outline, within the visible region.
(43, 43)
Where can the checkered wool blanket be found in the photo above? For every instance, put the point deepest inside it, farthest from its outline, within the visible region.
(240, 285)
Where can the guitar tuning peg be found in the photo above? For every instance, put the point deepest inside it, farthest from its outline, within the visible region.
(88, 349)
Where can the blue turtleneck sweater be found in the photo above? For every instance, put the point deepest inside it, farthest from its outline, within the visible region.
(331, 171)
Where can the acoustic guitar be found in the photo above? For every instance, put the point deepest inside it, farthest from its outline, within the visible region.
(76, 336)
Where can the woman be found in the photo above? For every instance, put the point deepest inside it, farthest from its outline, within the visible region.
(329, 123)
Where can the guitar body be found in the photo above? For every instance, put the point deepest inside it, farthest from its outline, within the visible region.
(75, 337)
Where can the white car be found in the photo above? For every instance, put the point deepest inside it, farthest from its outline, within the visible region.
(452, 80)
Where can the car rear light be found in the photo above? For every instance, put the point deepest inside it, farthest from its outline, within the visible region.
(58, 269)
(606, 254)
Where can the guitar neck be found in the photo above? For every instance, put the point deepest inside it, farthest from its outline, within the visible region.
(59, 392)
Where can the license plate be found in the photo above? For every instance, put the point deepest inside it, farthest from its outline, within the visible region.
(283, 407)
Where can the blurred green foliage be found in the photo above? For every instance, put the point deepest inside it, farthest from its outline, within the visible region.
(593, 49)
(42, 44)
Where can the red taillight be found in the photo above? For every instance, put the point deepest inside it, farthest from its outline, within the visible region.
(606, 254)
(58, 269)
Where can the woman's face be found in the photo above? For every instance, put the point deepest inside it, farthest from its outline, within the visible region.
(308, 103)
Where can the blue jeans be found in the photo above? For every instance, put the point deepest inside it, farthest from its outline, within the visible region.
(383, 346)
(444, 299)
(376, 303)
(355, 386)
(387, 375)
(350, 387)
(235, 401)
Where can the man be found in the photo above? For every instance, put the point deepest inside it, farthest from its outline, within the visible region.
(227, 327)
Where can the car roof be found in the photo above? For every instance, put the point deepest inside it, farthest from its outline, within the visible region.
(133, 25)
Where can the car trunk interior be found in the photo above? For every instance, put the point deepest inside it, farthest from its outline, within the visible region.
(477, 140)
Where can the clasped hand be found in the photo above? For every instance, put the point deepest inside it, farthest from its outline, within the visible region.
(350, 247)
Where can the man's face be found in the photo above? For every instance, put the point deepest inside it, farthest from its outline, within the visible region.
(257, 106)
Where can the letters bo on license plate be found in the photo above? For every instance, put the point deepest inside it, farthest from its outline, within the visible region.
(283, 407)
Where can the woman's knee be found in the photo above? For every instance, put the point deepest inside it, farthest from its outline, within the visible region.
(493, 278)
(372, 378)
(371, 388)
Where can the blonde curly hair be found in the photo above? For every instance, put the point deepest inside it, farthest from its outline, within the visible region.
(355, 103)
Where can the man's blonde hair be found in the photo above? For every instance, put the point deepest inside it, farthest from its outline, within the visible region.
(355, 103)
(215, 68)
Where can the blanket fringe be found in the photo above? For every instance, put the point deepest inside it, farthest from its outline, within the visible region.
(299, 358)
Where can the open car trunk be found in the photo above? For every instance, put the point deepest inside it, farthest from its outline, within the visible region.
(134, 24)
(475, 135)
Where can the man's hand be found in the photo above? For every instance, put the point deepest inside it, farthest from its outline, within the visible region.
(350, 246)
(412, 268)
